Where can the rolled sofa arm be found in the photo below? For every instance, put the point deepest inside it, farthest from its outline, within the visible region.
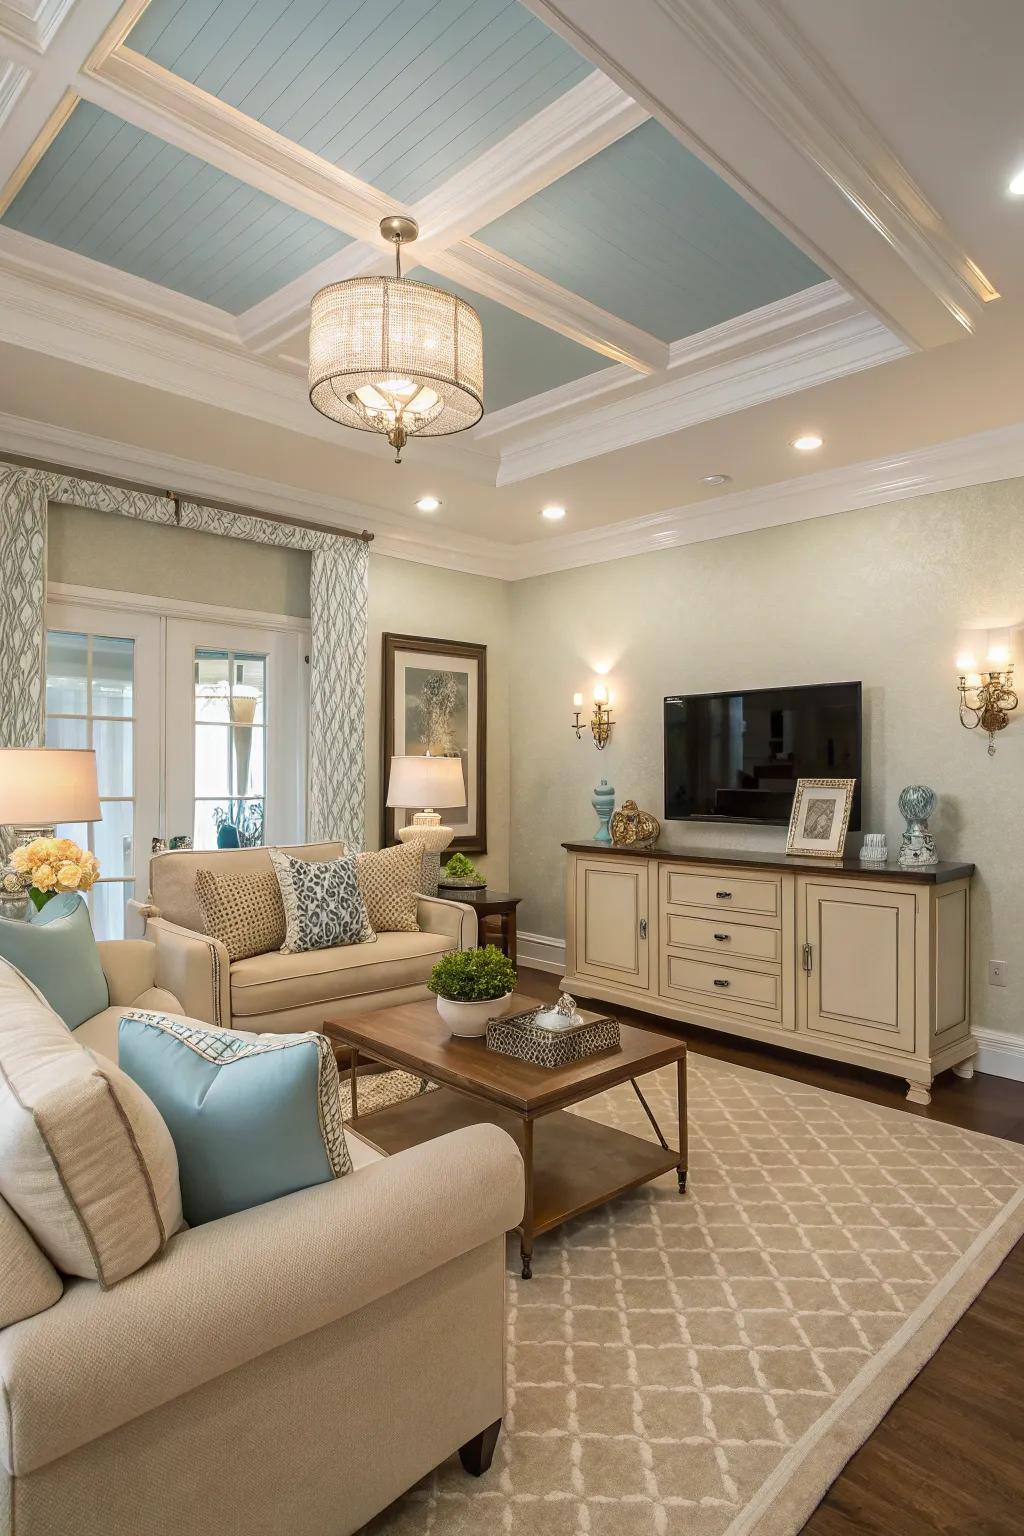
(129, 966)
(455, 918)
(195, 968)
(231, 1291)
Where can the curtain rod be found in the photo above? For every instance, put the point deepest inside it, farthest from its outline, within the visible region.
(199, 501)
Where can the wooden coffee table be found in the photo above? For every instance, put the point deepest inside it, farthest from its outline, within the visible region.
(572, 1164)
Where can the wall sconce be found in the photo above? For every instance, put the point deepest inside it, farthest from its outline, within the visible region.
(601, 721)
(986, 699)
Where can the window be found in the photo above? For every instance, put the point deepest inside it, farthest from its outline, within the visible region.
(90, 702)
(230, 746)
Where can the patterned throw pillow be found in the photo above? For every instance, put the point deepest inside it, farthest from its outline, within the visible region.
(391, 881)
(253, 1117)
(323, 905)
(243, 910)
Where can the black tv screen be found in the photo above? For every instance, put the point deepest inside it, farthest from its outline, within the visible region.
(737, 756)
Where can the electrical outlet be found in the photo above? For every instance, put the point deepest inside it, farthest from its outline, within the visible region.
(997, 970)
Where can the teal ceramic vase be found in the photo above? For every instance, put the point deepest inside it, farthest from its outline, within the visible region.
(603, 803)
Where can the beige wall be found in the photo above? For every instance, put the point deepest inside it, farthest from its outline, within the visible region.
(878, 595)
(410, 599)
(97, 549)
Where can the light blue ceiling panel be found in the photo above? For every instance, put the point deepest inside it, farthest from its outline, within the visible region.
(649, 233)
(124, 197)
(521, 358)
(401, 93)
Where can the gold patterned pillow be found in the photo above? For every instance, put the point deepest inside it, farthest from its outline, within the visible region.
(390, 882)
(243, 911)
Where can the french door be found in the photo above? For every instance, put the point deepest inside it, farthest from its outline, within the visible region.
(199, 728)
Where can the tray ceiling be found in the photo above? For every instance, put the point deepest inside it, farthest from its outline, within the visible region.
(648, 232)
(401, 93)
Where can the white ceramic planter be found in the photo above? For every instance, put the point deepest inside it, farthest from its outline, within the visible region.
(469, 1020)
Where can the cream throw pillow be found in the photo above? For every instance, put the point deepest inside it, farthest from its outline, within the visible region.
(243, 910)
(28, 1281)
(391, 881)
(86, 1161)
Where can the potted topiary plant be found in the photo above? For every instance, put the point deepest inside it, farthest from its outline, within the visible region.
(472, 986)
(461, 873)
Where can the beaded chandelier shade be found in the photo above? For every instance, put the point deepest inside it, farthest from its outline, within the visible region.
(394, 356)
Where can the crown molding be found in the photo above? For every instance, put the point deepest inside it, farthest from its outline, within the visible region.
(13, 79)
(744, 90)
(974, 460)
(779, 71)
(399, 538)
(32, 23)
(838, 338)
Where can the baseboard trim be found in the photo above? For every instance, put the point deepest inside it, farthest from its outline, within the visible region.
(1000, 1054)
(541, 952)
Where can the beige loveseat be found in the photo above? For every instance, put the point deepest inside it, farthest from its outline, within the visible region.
(290, 1369)
(279, 993)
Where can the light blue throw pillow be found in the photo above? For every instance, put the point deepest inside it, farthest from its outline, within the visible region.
(57, 951)
(251, 1118)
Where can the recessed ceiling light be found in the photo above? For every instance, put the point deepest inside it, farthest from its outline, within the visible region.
(427, 504)
(716, 479)
(553, 514)
(1016, 187)
(808, 442)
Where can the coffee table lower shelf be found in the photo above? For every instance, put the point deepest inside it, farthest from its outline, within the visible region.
(577, 1164)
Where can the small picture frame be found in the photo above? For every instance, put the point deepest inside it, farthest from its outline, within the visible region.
(820, 817)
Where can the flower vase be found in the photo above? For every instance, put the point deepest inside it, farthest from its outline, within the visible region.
(603, 803)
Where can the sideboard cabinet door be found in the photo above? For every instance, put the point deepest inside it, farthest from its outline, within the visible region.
(612, 917)
(857, 947)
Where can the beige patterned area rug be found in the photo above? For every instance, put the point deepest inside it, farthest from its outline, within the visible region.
(705, 1365)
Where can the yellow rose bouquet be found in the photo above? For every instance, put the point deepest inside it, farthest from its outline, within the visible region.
(49, 865)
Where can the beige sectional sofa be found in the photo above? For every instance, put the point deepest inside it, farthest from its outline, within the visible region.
(292, 1368)
(276, 992)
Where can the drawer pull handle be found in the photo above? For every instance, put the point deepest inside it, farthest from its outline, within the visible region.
(643, 927)
(723, 938)
(719, 983)
(724, 895)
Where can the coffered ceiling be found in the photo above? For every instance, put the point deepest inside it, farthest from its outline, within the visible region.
(672, 215)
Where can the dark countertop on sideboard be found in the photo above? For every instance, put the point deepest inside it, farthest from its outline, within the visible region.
(923, 874)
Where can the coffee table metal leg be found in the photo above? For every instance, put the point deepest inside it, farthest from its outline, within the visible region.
(352, 1079)
(526, 1243)
(681, 1105)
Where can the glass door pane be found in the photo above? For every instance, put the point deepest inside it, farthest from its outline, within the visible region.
(230, 748)
(90, 682)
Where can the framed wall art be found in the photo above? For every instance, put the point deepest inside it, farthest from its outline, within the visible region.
(820, 817)
(434, 699)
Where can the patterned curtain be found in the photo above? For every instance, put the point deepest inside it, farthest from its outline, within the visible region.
(22, 588)
(338, 601)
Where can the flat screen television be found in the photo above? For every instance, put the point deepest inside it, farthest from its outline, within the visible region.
(737, 756)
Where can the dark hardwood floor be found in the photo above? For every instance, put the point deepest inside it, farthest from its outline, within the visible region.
(948, 1458)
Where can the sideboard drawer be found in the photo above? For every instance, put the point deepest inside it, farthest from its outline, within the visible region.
(723, 892)
(725, 985)
(731, 941)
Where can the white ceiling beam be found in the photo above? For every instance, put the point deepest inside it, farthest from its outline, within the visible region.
(582, 122)
(283, 315)
(32, 24)
(159, 102)
(528, 293)
(741, 88)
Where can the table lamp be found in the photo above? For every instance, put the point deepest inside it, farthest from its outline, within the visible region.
(41, 786)
(420, 783)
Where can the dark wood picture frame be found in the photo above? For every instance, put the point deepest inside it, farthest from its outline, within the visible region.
(459, 650)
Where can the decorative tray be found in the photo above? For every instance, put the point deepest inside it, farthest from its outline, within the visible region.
(553, 1037)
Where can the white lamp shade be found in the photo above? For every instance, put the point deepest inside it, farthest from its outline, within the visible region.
(416, 782)
(41, 786)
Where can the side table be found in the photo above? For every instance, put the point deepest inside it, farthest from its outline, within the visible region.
(494, 905)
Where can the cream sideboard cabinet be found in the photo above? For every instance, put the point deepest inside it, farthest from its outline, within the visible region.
(835, 958)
